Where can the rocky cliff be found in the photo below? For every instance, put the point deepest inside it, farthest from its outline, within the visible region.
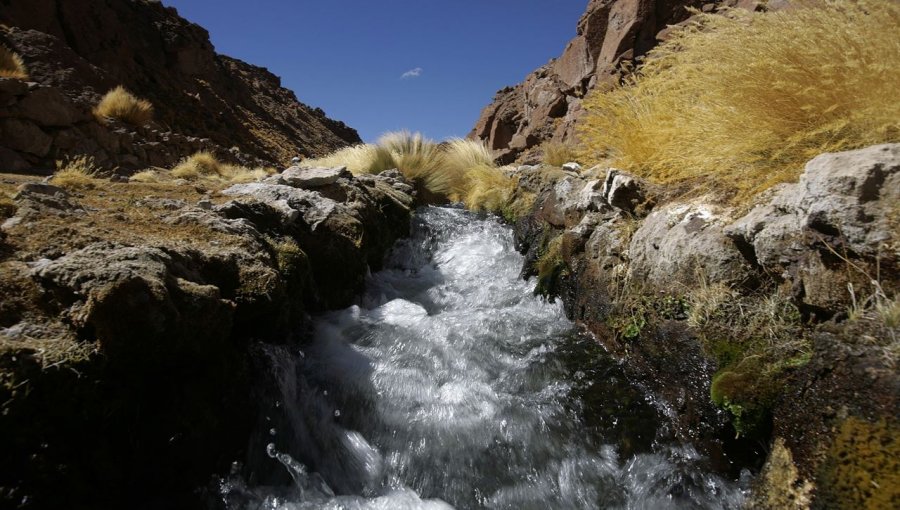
(77, 50)
(546, 106)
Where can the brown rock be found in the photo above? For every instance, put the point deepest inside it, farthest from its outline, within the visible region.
(24, 136)
(49, 107)
(547, 106)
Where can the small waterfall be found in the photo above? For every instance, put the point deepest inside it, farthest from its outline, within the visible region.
(451, 385)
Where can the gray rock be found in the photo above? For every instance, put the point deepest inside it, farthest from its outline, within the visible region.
(848, 198)
(311, 206)
(572, 166)
(623, 191)
(679, 244)
(309, 178)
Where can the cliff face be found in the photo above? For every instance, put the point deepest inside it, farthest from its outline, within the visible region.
(86, 47)
(547, 105)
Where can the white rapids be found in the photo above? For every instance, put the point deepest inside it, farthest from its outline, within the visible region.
(447, 387)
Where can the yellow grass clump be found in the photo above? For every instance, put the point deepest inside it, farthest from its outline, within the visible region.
(204, 165)
(743, 100)
(11, 64)
(441, 169)
(120, 104)
(487, 188)
(76, 173)
(558, 154)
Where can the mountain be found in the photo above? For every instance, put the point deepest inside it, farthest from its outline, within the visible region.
(80, 49)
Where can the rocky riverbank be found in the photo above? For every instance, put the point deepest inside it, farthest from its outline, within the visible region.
(772, 324)
(131, 314)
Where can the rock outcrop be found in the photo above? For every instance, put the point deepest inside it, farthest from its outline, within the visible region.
(76, 51)
(131, 317)
(546, 106)
(778, 323)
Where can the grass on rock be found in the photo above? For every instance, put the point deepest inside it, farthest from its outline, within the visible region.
(122, 105)
(11, 64)
(205, 166)
(782, 88)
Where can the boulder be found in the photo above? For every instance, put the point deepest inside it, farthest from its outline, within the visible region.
(48, 106)
(23, 136)
(623, 191)
(843, 209)
(684, 242)
(309, 178)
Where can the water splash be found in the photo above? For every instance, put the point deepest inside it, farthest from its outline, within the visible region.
(450, 383)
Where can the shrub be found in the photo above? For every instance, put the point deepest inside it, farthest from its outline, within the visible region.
(145, 176)
(205, 165)
(120, 104)
(744, 99)
(558, 154)
(11, 64)
(359, 159)
(487, 188)
(77, 173)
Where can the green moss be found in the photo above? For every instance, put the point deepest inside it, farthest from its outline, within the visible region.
(292, 260)
(550, 267)
(862, 466)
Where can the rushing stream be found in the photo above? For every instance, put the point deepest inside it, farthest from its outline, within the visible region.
(451, 385)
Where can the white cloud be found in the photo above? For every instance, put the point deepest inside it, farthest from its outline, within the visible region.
(412, 73)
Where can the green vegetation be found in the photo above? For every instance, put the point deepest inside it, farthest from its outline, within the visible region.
(782, 88)
(121, 104)
(550, 266)
(862, 466)
(11, 64)
(76, 173)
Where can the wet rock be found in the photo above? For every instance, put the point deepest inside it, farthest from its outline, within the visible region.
(310, 178)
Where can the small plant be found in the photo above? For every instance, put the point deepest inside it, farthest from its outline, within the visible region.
(205, 165)
(11, 64)
(558, 154)
(550, 266)
(77, 173)
(146, 176)
(120, 104)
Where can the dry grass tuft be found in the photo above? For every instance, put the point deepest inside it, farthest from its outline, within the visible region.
(359, 159)
(780, 88)
(76, 173)
(146, 176)
(558, 154)
(204, 165)
(457, 170)
(120, 104)
(488, 188)
(11, 64)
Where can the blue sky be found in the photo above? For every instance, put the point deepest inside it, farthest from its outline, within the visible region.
(382, 65)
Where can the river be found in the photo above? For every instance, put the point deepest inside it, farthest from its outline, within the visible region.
(450, 385)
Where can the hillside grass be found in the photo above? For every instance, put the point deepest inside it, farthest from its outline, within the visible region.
(122, 105)
(11, 64)
(206, 166)
(457, 170)
(738, 102)
(76, 173)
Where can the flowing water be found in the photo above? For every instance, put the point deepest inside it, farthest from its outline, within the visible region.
(451, 385)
